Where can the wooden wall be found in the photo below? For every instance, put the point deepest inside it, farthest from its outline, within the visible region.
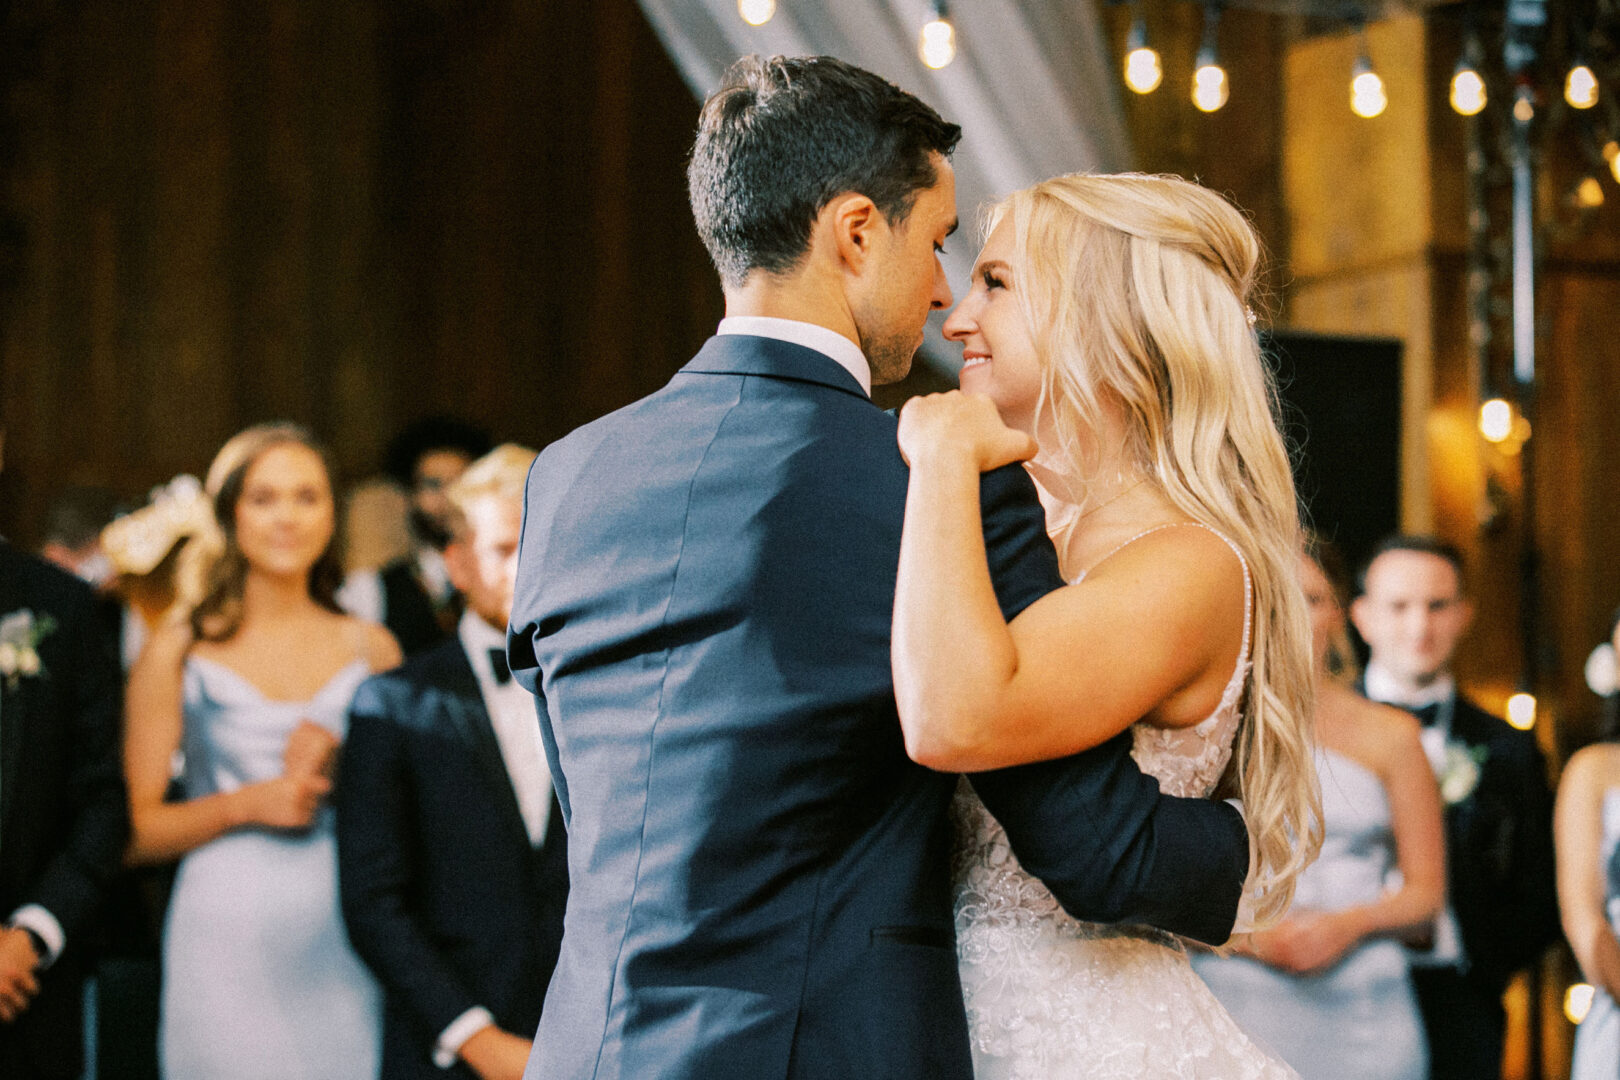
(216, 212)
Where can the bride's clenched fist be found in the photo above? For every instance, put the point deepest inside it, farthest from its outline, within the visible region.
(963, 426)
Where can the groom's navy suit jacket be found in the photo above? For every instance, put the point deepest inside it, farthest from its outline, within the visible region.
(760, 877)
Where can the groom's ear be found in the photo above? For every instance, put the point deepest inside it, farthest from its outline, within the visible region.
(853, 221)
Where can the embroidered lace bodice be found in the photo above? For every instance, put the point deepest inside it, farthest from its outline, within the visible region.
(1051, 997)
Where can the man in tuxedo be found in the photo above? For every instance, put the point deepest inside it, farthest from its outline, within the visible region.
(413, 596)
(1503, 908)
(452, 860)
(63, 811)
(759, 877)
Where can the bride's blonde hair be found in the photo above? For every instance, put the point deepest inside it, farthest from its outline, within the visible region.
(1136, 289)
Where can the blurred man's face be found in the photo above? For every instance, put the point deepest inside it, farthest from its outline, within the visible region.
(1412, 614)
(482, 560)
(436, 470)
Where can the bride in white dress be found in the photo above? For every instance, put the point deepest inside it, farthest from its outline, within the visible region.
(1108, 332)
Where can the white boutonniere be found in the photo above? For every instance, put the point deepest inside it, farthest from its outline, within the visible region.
(20, 635)
(1459, 775)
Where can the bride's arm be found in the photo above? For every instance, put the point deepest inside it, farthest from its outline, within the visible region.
(1578, 839)
(162, 831)
(1076, 667)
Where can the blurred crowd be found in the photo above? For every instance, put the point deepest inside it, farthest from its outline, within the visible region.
(266, 813)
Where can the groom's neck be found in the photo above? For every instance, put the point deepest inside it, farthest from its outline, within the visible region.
(803, 296)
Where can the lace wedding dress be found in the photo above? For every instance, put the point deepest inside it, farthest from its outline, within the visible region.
(1052, 998)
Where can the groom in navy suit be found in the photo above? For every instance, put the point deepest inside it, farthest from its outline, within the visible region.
(760, 878)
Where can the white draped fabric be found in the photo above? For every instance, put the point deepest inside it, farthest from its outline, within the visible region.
(1034, 84)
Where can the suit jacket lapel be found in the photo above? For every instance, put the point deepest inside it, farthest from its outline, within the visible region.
(472, 717)
(13, 703)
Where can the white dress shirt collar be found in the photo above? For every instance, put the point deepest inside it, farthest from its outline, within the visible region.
(829, 343)
(1382, 686)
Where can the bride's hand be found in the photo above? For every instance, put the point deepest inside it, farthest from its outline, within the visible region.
(958, 423)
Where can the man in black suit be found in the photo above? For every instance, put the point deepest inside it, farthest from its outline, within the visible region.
(413, 595)
(1503, 908)
(759, 877)
(63, 813)
(452, 857)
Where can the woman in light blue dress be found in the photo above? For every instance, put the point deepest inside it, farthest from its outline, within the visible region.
(253, 685)
(1327, 990)
(1588, 842)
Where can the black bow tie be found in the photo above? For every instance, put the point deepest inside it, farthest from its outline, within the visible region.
(497, 660)
(1427, 715)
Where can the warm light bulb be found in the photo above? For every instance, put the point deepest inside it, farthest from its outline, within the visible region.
(756, 12)
(1589, 193)
(1521, 711)
(1496, 420)
(1209, 87)
(1578, 1002)
(1614, 162)
(1143, 71)
(1467, 91)
(1581, 88)
(1367, 97)
(936, 44)
(1524, 110)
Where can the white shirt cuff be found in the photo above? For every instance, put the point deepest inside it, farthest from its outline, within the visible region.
(462, 1028)
(43, 923)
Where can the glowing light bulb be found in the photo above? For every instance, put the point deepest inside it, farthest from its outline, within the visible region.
(756, 12)
(1581, 87)
(1496, 420)
(1611, 154)
(1467, 90)
(1521, 711)
(1578, 1002)
(1210, 89)
(1143, 69)
(1589, 193)
(1367, 97)
(936, 43)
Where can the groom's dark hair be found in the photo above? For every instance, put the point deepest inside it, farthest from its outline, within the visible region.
(782, 137)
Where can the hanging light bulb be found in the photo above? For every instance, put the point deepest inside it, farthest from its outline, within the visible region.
(1367, 97)
(756, 12)
(1143, 69)
(1467, 88)
(1611, 154)
(1589, 193)
(1209, 89)
(1581, 87)
(936, 41)
(1496, 420)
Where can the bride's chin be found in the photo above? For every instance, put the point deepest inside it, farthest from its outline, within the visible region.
(975, 379)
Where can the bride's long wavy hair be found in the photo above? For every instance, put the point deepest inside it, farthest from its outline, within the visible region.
(213, 570)
(1137, 290)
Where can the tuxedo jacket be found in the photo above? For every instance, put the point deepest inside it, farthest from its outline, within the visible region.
(760, 877)
(443, 894)
(1499, 841)
(64, 817)
(408, 611)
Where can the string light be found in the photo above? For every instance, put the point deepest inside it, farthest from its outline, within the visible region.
(1611, 154)
(1578, 1002)
(1367, 97)
(936, 42)
(1521, 711)
(1589, 193)
(1581, 87)
(1496, 420)
(1143, 69)
(1209, 90)
(756, 12)
(1467, 89)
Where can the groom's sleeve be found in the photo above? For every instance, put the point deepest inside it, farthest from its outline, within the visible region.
(1092, 827)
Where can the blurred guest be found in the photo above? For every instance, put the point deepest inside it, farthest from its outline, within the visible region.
(258, 978)
(143, 554)
(1328, 989)
(73, 524)
(1493, 781)
(413, 596)
(376, 525)
(1588, 842)
(63, 820)
(451, 849)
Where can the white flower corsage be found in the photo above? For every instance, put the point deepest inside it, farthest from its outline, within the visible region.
(1460, 774)
(20, 635)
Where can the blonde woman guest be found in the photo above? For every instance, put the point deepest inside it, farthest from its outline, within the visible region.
(1587, 838)
(1107, 326)
(1328, 988)
(258, 978)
